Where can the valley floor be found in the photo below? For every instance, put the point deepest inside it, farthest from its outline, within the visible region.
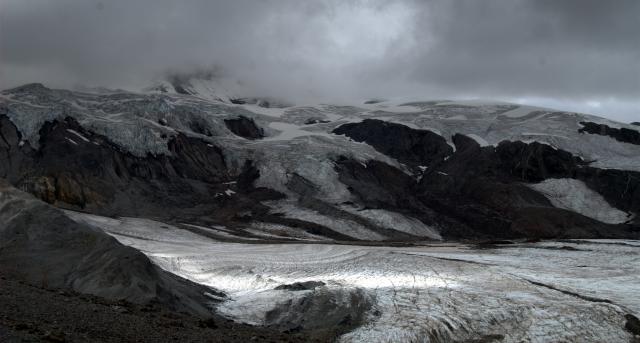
(578, 290)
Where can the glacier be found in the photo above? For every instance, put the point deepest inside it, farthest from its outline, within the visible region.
(576, 290)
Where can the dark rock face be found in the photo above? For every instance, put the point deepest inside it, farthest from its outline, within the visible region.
(376, 183)
(636, 123)
(410, 146)
(244, 127)
(481, 192)
(632, 324)
(621, 188)
(516, 162)
(180, 90)
(199, 126)
(312, 121)
(381, 186)
(238, 101)
(97, 176)
(262, 102)
(623, 135)
(485, 189)
(534, 162)
(41, 245)
(301, 286)
(79, 169)
(337, 311)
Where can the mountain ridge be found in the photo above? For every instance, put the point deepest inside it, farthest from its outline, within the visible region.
(299, 166)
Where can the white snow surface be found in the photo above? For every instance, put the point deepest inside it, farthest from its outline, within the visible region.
(434, 293)
(574, 195)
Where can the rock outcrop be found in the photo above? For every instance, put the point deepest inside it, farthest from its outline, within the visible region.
(244, 127)
(622, 134)
(486, 188)
(482, 192)
(410, 146)
(79, 169)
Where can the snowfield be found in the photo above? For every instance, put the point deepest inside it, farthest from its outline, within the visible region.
(571, 291)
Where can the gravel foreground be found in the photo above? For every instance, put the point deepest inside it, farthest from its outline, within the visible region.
(33, 314)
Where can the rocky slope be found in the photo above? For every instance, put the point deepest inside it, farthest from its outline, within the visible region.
(34, 314)
(379, 171)
(41, 245)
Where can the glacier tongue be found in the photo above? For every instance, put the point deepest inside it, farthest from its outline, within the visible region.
(539, 292)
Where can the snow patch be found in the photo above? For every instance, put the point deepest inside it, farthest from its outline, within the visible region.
(574, 195)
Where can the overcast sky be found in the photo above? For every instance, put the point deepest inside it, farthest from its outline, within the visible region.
(581, 55)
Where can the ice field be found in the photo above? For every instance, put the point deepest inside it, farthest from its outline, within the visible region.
(530, 292)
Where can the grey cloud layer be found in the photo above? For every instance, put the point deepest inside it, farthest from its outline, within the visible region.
(568, 51)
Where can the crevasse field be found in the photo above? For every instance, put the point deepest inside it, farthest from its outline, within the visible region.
(534, 292)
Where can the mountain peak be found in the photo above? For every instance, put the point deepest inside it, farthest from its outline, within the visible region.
(212, 85)
(206, 84)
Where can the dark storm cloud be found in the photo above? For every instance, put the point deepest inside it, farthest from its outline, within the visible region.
(543, 48)
(579, 54)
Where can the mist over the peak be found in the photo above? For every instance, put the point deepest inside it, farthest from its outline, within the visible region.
(578, 55)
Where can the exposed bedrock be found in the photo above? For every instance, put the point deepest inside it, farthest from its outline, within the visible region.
(622, 134)
(301, 286)
(485, 187)
(244, 127)
(41, 245)
(482, 192)
(335, 310)
(378, 185)
(410, 146)
(262, 102)
(78, 169)
(621, 188)
(632, 324)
